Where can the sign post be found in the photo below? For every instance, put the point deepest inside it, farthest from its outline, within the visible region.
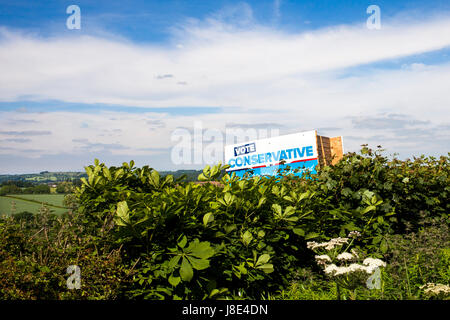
(300, 151)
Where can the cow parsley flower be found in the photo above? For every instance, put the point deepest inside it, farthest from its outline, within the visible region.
(311, 245)
(358, 267)
(330, 269)
(353, 251)
(334, 270)
(341, 270)
(345, 256)
(329, 245)
(335, 243)
(354, 234)
(436, 289)
(371, 262)
(322, 259)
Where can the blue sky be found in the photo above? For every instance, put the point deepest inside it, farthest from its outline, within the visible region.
(138, 71)
(149, 21)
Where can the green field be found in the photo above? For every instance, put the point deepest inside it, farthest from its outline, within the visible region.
(52, 199)
(55, 203)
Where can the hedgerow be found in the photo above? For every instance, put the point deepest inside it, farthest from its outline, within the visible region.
(241, 238)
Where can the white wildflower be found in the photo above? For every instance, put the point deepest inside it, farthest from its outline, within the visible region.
(334, 270)
(323, 257)
(330, 269)
(314, 245)
(354, 234)
(330, 245)
(340, 240)
(370, 269)
(371, 262)
(311, 245)
(436, 289)
(354, 267)
(345, 256)
(341, 270)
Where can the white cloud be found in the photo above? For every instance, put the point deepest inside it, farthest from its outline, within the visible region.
(93, 70)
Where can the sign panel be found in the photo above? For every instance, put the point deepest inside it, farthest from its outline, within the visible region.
(263, 157)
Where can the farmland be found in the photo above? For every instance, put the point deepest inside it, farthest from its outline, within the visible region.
(47, 177)
(31, 203)
(51, 199)
(43, 177)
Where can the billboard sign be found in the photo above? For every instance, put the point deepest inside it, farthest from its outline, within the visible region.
(263, 157)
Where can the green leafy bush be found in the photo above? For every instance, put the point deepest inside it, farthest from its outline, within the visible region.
(36, 249)
(137, 234)
(418, 258)
(253, 232)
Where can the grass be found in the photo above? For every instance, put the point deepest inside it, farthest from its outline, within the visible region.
(31, 203)
(51, 199)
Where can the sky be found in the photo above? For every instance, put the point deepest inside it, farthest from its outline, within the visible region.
(136, 74)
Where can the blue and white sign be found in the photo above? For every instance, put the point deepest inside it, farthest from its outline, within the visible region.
(267, 156)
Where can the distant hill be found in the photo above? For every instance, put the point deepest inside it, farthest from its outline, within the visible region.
(46, 176)
(43, 177)
(191, 175)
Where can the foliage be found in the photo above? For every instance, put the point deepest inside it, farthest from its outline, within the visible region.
(307, 284)
(36, 249)
(342, 267)
(417, 262)
(18, 183)
(254, 230)
(143, 235)
(9, 189)
(13, 188)
(65, 187)
(38, 189)
(418, 258)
